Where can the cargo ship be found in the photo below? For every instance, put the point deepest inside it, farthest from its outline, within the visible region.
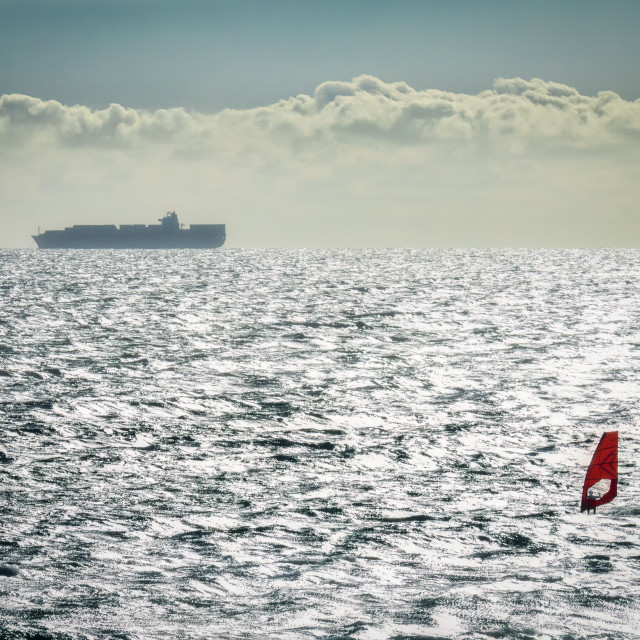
(169, 234)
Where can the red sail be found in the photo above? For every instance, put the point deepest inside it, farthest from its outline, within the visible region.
(604, 466)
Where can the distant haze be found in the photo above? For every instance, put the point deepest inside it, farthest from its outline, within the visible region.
(363, 163)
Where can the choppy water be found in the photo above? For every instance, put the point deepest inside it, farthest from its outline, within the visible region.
(317, 444)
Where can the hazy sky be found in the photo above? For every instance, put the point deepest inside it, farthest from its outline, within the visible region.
(351, 123)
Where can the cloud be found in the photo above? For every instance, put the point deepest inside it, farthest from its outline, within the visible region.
(24, 118)
(358, 163)
(362, 112)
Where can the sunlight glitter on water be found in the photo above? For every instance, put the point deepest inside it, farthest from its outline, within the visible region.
(285, 444)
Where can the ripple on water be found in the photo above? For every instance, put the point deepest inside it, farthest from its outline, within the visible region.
(295, 444)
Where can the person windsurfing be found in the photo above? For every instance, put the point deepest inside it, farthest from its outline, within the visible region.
(604, 466)
(591, 496)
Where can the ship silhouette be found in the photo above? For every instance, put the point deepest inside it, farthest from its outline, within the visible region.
(169, 234)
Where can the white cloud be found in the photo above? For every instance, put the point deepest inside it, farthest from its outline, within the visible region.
(387, 164)
(365, 109)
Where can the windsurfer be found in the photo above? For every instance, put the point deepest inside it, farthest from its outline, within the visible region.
(604, 466)
(591, 496)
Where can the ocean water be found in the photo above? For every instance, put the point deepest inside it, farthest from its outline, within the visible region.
(327, 444)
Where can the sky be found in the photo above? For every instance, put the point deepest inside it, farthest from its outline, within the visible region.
(357, 123)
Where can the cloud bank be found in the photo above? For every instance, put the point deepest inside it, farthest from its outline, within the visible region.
(527, 162)
(363, 110)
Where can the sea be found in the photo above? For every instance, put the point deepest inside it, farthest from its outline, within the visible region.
(317, 444)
